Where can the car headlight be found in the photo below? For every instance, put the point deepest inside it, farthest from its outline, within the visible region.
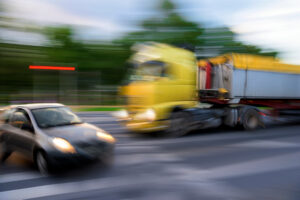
(63, 145)
(105, 136)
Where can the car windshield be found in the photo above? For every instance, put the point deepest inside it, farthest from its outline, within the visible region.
(51, 117)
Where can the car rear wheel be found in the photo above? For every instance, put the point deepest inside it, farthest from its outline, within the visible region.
(4, 152)
(42, 163)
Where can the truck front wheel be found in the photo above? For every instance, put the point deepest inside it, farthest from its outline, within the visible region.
(178, 124)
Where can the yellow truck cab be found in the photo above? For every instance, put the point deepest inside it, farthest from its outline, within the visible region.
(163, 81)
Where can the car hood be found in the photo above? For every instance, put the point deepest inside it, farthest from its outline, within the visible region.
(73, 133)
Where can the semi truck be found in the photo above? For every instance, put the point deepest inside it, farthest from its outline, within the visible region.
(173, 93)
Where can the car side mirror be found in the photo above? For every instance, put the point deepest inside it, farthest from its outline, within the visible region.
(28, 127)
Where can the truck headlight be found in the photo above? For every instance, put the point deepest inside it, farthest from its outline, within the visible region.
(105, 136)
(63, 145)
(122, 114)
(150, 114)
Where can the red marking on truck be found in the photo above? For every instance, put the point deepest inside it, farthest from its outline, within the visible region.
(263, 114)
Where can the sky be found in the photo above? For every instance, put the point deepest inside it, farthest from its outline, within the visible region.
(270, 24)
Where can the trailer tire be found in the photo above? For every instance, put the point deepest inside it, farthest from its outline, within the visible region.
(251, 120)
(178, 124)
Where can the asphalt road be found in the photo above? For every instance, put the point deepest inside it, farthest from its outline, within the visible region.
(210, 164)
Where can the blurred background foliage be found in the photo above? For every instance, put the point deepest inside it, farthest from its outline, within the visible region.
(100, 65)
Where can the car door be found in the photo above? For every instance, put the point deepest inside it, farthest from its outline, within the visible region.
(5, 127)
(22, 136)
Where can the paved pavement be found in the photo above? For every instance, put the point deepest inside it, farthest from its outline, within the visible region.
(210, 164)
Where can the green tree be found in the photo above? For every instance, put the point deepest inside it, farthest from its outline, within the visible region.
(167, 26)
(222, 40)
(106, 59)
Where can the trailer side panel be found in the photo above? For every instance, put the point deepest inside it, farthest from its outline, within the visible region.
(251, 84)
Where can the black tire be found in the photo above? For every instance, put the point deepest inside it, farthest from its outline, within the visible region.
(4, 152)
(107, 160)
(178, 124)
(251, 120)
(42, 163)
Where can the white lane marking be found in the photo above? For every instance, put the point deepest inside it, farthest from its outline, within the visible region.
(200, 138)
(145, 158)
(258, 166)
(263, 165)
(207, 138)
(118, 135)
(71, 187)
(21, 176)
(131, 151)
(136, 148)
(104, 126)
(266, 144)
(205, 179)
(214, 189)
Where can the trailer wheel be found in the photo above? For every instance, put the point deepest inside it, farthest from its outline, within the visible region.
(178, 124)
(251, 120)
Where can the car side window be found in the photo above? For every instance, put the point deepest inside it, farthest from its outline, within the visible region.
(20, 119)
(6, 115)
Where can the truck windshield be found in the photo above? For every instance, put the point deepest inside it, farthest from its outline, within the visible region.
(150, 70)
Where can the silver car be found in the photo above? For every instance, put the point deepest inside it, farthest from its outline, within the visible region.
(52, 135)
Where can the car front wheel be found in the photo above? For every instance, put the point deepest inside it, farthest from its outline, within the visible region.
(42, 163)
